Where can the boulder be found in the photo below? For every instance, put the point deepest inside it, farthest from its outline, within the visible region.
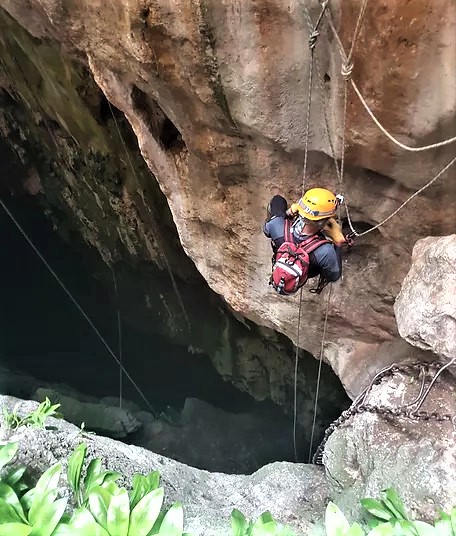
(426, 305)
(294, 493)
(373, 451)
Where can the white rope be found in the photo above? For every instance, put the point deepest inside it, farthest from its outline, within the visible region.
(439, 174)
(368, 109)
(320, 360)
(75, 302)
(119, 338)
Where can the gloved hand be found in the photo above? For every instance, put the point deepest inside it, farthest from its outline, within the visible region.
(349, 239)
(333, 231)
(293, 210)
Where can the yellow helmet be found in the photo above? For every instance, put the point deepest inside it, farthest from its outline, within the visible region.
(317, 204)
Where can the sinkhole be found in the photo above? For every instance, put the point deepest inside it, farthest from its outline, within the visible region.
(193, 414)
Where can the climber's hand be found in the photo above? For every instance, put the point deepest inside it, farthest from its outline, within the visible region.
(349, 239)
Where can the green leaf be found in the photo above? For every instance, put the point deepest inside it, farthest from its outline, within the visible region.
(8, 514)
(27, 499)
(93, 470)
(453, 519)
(7, 453)
(139, 489)
(99, 500)
(385, 529)
(173, 522)
(335, 522)
(15, 529)
(49, 515)
(7, 494)
(40, 503)
(376, 508)
(145, 513)
(119, 514)
(84, 522)
(424, 529)
(238, 523)
(49, 480)
(355, 530)
(265, 525)
(153, 480)
(75, 463)
(13, 477)
(111, 487)
(443, 526)
(394, 499)
(404, 527)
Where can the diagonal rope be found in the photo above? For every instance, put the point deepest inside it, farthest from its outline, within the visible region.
(153, 221)
(75, 302)
(320, 360)
(119, 338)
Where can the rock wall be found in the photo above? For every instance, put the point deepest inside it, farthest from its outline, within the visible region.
(216, 93)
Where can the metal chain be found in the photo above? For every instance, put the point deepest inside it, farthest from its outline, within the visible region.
(359, 405)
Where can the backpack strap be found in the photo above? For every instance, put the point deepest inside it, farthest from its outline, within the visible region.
(288, 237)
(313, 242)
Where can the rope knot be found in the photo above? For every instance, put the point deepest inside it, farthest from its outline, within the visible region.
(313, 39)
(347, 69)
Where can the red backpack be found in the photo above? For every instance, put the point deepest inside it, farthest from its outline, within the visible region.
(291, 266)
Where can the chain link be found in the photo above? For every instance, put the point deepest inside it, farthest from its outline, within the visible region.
(360, 406)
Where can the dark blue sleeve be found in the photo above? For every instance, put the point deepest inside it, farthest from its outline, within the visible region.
(266, 229)
(329, 261)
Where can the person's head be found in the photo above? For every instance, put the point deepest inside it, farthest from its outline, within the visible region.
(277, 206)
(317, 205)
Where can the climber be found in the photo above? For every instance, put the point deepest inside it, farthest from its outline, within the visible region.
(311, 245)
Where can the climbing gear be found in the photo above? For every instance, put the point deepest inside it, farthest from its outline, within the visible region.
(317, 204)
(410, 411)
(290, 270)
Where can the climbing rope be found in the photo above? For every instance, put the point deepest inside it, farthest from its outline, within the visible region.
(345, 61)
(75, 302)
(154, 223)
(119, 337)
(320, 360)
(313, 35)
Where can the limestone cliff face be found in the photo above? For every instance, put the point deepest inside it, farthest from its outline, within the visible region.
(216, 94)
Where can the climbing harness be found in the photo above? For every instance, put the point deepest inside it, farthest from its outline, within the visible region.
(75, 302)
(410, 411)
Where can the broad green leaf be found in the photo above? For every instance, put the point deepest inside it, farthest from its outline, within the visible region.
(48, 517)
(84, 522)
(385, 529)
(49, 480)
(453, 519)
(41, 503)
(376, 508)
(443, 527)
(139, 489)
(335, 521)
(111, 487)
(404, 527)
(355, 530)
(7, 493)
(395, 500)
(7, 513)
(173, 522)
(264, 529)
(13, 477)
(145, 513)
(390, 506)
(238, 523)
(93, 470)
(424, 529)
(15, 529)
(75, 463)
(119, 514)
(7, 453)
(153, 480)
(99, 500)
(63, 529)
(27, 499)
